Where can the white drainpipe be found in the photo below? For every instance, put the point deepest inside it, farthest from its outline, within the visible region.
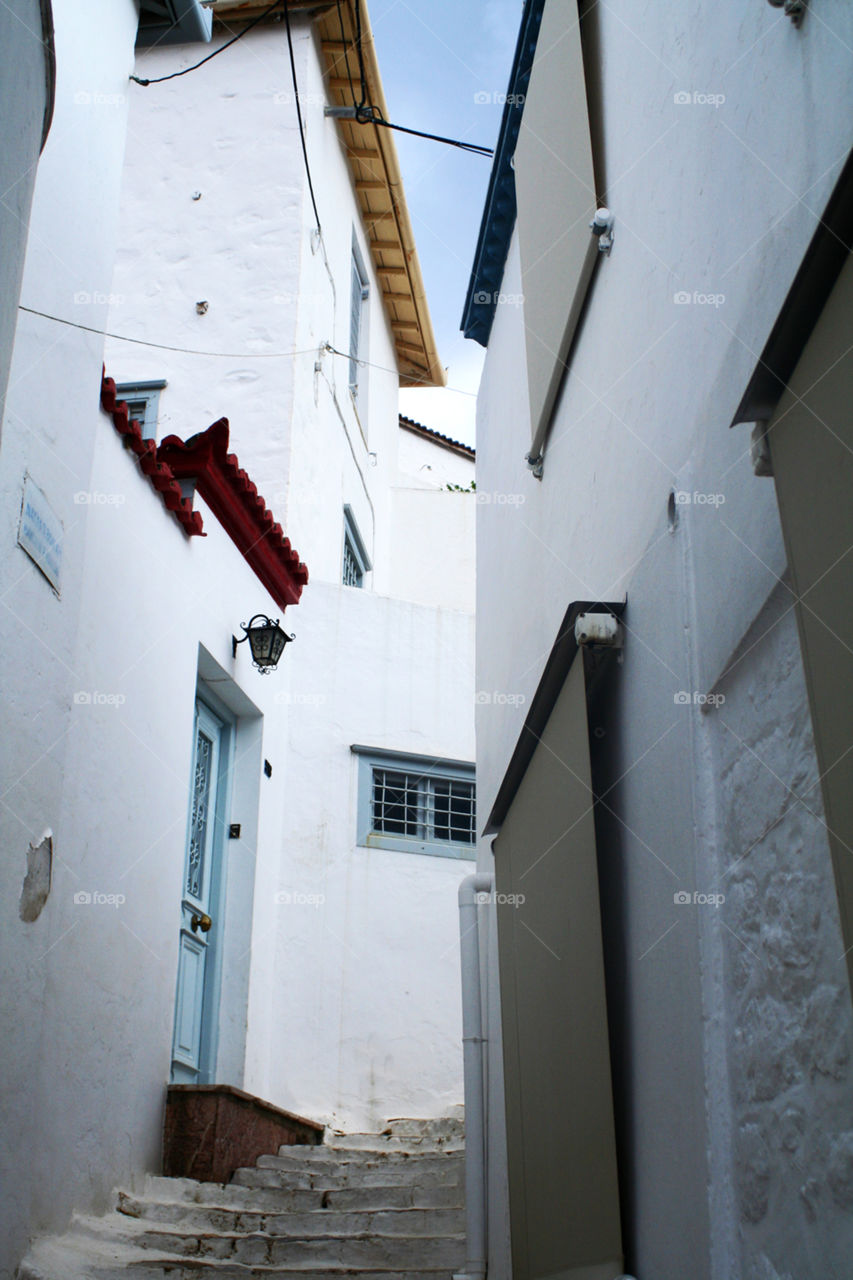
(472, 1059)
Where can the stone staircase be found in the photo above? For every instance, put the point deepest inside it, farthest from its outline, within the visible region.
(371, 1206)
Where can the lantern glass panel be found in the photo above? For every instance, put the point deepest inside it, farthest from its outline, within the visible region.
(261, 638)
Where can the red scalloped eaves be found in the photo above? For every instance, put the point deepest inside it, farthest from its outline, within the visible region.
(224, 486)
(239, 508)
(160, 475)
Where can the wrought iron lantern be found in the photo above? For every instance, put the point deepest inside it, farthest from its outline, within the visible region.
(266, 640)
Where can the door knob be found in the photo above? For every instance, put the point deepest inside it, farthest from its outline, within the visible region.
(202, 922)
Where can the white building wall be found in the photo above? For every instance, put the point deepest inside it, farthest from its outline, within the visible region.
(49, 432)
(358, 995)
(344, 991)
(707, 199)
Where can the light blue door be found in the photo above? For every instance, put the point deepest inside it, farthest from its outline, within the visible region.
(194, 1035)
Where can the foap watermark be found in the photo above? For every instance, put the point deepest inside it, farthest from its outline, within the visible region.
(695, 298)
(694, 698)
(296, 898)
(288, 99)
(91, 98)
(499, 699)
(496, 499)
(487, 298)
(697, 98)
(94, 698)
(86, 298)
(83, 898)
(684, 498)
(92, 498)
(483, 98)
(300, 699)
(483, 897)
(682, 898)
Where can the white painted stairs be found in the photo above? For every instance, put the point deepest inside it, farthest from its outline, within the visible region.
(365, 1206)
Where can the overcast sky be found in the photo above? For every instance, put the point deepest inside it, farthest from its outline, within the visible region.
(438, 61)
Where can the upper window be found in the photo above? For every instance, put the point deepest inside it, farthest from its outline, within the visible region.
(416, 804)
(142, 400)
(356, 563)
(359, 292)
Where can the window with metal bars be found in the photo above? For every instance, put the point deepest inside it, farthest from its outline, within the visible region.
(408, 804)
(356, 562)
(143, 402)
(416, 804)
(359, 293)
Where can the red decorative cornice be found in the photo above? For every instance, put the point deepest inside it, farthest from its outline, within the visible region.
(160, 476)
(239, 508)
(224, 486)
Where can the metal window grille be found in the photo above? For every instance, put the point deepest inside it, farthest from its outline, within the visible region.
(358, 295)
(352, 573)
(422, 807)
(142, 399)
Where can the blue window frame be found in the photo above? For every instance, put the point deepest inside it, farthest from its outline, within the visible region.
(359, 293)
(416, 804)
(143, 403)
(356, 562)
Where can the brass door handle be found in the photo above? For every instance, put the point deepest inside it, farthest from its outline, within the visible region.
(203, 922)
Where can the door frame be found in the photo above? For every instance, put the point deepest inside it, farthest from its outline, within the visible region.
(216, 902)
(209, 1045)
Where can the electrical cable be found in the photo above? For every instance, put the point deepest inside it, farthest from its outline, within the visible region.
(299, 118)
(216, 52)
(230, 355)
(372, 115)
(346, 58)
(367, 114)
(360, 54)
(162, 346)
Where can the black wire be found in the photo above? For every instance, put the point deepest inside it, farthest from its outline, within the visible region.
(365, 114)
(360, 53)
(216, 52)
(345, 44)
(436, 137)
(162, 346)
(299, 116)
(372, 115)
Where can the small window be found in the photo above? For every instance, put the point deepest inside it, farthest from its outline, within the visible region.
(142, 399)
(356, 563)
(416, 804)
(359, 293)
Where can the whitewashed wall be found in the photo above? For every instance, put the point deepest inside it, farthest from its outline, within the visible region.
(355, 1010)
(49, 431)
(345, 992)
(709, 199)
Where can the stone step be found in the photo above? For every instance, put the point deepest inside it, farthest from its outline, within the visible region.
(352, 1159)
(411, 1145)
(448, 1173)
(368, 1206)
(381, 1149)
(305, 1223)
(378, 1252)
(82, 1258)
(445, 1127)
(320, 1159)
(282, 1200)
